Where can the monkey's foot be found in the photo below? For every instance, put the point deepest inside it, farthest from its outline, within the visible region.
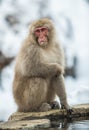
(45, 107)
(68, 108)
(55, 105)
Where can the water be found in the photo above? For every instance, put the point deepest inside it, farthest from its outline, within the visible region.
(81, 123)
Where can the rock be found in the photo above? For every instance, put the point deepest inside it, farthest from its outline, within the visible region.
(25, 124)
(31, 120)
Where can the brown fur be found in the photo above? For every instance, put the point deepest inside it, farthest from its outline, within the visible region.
(39, 72)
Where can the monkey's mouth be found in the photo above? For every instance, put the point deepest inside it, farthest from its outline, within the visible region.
(42, 41)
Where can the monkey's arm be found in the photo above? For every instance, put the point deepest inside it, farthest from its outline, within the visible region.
(42, 70)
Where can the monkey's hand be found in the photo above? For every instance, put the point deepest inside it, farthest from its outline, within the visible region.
(59, 70)
(53, 69)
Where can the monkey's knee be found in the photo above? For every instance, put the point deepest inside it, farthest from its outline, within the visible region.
(45, 107)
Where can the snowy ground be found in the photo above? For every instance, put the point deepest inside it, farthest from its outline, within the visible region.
(77, 90)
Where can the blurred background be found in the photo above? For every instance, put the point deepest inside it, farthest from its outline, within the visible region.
(71, 19)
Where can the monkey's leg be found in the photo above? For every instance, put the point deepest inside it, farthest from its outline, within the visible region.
(59, 87)
(51, 95)
(36, 95)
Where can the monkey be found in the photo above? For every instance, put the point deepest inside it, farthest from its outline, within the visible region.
(39, 70)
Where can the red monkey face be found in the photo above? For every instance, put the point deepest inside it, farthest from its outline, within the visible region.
(41, 34)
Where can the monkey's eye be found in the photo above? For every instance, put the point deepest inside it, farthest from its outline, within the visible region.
(44, 29)
(37, 32)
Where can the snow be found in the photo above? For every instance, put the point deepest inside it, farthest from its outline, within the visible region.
(62, 12)
(77, 90)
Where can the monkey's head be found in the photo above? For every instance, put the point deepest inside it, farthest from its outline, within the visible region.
(42, 31)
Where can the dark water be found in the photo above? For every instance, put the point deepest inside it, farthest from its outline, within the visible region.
(74, 124)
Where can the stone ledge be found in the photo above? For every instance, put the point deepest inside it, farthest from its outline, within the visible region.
(30, 120)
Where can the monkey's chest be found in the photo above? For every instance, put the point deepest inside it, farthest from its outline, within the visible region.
(50, 57)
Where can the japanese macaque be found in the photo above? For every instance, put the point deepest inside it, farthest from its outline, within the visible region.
(39, 70)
